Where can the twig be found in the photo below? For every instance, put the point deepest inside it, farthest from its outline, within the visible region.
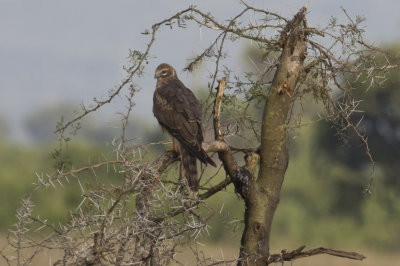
(133, 71)
(226, 157)
(211, 191)
(217, 109)
(299, 253)
(89, 167)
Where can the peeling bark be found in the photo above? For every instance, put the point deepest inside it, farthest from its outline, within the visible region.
(264, 197)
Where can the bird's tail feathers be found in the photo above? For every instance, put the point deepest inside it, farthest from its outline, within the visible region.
(200, 154)
(188, 170)
(210, 161)
(206, 159)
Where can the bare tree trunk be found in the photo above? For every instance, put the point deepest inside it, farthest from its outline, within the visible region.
(264, 197)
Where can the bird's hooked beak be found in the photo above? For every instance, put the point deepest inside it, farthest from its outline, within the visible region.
(156, 75)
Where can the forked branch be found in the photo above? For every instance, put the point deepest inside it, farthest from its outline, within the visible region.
(299, 253)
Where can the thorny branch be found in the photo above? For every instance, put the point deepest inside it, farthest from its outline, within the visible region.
(136, 69)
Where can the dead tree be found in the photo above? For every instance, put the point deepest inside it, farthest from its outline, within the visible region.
(299, 61)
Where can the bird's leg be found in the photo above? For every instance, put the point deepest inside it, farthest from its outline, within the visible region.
(174, 146)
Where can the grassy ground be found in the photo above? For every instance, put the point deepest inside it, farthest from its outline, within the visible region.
(227, 253)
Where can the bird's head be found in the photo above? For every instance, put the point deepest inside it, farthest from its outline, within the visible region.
(165, 71)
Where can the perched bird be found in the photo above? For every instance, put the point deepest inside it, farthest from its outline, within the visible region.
(179, 113)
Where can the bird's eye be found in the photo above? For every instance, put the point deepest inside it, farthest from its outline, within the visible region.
(164, 73)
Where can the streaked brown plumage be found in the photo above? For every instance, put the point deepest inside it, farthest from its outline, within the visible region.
(179, 113)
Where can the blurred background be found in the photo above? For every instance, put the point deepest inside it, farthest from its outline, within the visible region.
(56, 55)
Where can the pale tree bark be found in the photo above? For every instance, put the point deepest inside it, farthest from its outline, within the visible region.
(264, 195)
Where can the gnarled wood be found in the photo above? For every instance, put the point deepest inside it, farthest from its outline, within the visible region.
(264, 197)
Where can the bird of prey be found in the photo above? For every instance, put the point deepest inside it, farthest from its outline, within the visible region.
(179, 113)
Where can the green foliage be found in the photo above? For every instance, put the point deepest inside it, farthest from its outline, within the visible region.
(18, 166)
(322, 200)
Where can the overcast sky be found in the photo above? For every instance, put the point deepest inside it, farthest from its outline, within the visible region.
(57, 51)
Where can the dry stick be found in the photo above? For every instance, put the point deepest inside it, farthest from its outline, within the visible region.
(229, 162)
(220, 186)
(367, 152)
(229, 29)
(299, 253)
(390, 67)
(217, 109)
(89, 167)
(189, 67)
(205, 195)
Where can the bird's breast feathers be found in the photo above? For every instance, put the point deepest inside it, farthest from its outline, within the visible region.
(161, 101)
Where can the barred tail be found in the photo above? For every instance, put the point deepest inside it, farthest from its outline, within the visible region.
(204, 158)
(210, 161)
(188, 170)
